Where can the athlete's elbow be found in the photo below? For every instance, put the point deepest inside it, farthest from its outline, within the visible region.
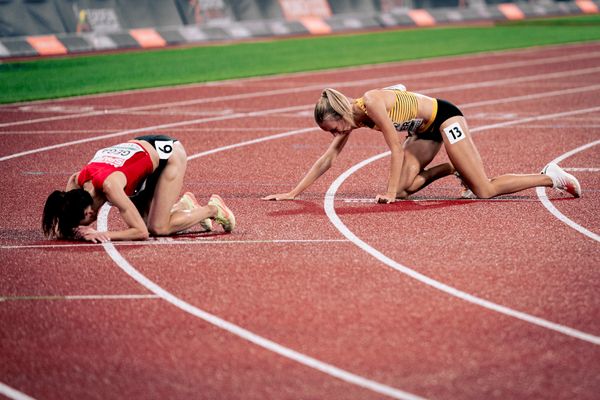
(326, 162)
(142, 234)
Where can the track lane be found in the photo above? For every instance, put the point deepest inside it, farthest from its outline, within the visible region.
(385, 364)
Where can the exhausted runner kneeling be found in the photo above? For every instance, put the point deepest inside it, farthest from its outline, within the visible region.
(142, 178)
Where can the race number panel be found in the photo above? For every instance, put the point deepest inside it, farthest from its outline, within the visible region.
(164, 148)
(454, 133)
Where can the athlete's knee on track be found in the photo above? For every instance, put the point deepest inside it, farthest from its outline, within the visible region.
(158, 229)
(484, 191)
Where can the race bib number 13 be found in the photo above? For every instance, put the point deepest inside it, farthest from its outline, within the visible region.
(164, 148)
(454, 133)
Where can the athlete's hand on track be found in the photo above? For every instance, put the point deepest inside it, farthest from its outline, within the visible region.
(91, 235)
(385, 198)
(279, 196)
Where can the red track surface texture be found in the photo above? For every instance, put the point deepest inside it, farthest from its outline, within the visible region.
(326, 297)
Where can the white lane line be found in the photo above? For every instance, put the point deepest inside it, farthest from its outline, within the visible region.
(284, 351)
(82, 297)
(13, 394)
(541, 193)
(536, 118)
(265, 343)
(205, 240)
(257, 114)
(107, 131)
(580, 169)
(320, 86)
(253, 141)
(239, 331)
(149, 128)
(102, 225)
(117, 134)
(337, 222)
(562, 92)
(520, 79)
(296, 89)
(340, 226)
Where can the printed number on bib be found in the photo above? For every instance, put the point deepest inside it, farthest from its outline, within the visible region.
(454, 133)
(164, 148)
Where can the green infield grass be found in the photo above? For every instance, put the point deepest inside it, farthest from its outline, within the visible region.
(86, 74)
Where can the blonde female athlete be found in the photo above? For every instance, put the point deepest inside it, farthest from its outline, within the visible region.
(142, 178)
(429, 123)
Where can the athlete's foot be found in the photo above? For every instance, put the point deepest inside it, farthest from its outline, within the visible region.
(224, 216)
(188, 202)
(562, 180)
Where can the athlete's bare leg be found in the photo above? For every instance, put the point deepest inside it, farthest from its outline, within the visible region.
(161, 220)
(418, 153)
(427, 176)
(466, 159)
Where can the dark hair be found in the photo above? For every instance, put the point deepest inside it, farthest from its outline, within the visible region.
(63, 211)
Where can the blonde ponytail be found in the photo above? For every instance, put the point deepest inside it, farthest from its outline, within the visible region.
(333, 104)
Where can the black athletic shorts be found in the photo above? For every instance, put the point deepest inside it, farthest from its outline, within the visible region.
(445, 111)
(144, 194)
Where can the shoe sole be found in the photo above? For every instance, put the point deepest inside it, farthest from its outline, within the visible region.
(229, 217)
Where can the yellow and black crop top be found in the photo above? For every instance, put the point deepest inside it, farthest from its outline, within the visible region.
(404, 112)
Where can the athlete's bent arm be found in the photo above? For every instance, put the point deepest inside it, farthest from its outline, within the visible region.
(376, 108)
(318, 168)
(113, 190)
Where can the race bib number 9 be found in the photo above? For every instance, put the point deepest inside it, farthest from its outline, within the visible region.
(164, 148)
(454, 133)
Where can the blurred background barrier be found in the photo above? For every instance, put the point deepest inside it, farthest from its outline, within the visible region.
(54, 27)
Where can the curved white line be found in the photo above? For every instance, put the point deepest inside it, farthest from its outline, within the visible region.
(541, 193)
(296, 89)
(300, 107)
(239, 331)
(336, 221)
(13, 393)
(102, 224)
(265, 343)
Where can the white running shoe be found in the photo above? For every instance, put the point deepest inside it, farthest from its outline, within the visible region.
(224, 215)
(562, 180)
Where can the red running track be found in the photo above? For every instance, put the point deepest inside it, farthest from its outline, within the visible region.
(434, 297)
